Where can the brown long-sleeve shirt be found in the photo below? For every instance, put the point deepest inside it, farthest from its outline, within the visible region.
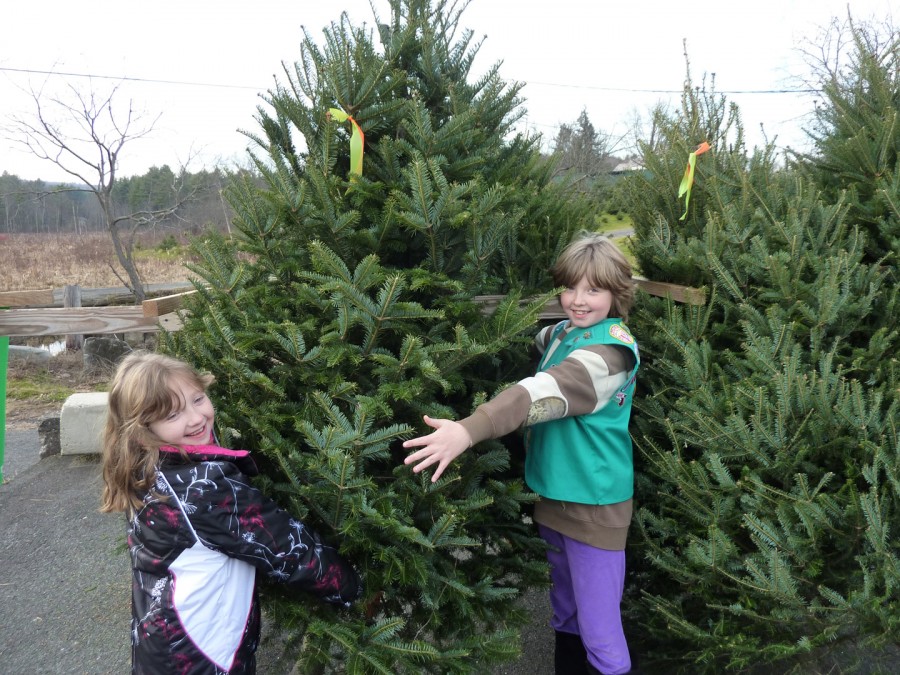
(582, 383)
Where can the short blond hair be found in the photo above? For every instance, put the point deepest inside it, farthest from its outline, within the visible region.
(141, 393)
(594, 256)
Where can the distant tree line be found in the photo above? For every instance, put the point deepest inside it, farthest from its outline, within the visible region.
(584, 157)
(33, 206)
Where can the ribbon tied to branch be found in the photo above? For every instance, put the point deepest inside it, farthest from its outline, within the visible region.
(357, 139)
(688, 180)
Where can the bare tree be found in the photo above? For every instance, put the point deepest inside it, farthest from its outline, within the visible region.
(84, 134)
(583, 151)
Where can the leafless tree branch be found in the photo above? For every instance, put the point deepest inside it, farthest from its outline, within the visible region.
(84, 134)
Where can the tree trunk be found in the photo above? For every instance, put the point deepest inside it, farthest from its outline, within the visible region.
(123, 253)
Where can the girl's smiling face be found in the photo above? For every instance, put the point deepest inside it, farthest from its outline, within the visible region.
(585, 304)
(191, 420)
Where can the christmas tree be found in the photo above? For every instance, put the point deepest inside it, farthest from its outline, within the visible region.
(767, 445)
(391, 193)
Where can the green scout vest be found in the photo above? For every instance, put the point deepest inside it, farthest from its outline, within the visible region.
(585, 459)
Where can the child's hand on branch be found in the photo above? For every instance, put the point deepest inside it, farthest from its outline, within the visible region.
(449, 440)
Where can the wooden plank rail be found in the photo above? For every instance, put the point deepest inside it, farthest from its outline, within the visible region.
(553, 310)
(163, 313)
(90, 297)
(684, 294)
(26, 298)
(80, 320)
(164, 305)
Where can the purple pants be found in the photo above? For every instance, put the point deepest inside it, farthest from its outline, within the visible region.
(586, 594)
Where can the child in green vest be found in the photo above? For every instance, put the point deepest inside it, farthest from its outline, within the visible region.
(576, 411)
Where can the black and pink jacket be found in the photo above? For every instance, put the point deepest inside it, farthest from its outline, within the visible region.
(195, 557)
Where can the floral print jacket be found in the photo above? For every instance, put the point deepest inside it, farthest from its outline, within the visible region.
(196, 547)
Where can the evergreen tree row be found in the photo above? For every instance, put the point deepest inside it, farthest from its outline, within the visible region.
(767, 431)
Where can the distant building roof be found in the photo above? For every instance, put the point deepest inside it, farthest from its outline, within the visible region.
(627, 165)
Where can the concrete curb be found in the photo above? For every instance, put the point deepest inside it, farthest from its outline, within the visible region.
(81, 423)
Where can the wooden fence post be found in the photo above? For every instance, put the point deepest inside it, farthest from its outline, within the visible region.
(72, 298)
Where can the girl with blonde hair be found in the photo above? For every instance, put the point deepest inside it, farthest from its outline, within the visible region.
(198, 532)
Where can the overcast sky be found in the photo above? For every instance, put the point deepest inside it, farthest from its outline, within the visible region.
(201, 65)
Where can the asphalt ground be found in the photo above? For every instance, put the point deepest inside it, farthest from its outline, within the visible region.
(65, 578)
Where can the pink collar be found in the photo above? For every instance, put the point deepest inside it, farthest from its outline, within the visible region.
(205, 450)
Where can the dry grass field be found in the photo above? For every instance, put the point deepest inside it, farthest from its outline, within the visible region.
(38, 261)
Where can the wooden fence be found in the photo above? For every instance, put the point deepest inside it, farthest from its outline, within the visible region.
(31, 313)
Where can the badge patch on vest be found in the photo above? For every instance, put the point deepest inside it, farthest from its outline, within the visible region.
(619, 333)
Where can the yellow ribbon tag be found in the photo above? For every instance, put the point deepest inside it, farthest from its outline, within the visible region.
(688, 181)
(357, 139)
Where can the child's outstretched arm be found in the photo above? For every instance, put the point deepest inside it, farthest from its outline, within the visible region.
(579, 384)
(449, 440)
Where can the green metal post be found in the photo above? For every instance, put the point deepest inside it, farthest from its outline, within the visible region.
(4, 357)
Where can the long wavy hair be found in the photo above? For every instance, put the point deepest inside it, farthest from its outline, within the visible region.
(596, 257)
(142, 392)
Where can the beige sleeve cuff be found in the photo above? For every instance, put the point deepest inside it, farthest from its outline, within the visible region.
(479, 426)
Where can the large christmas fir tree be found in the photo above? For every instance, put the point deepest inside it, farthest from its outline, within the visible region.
(769, 457)
(346, 308)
